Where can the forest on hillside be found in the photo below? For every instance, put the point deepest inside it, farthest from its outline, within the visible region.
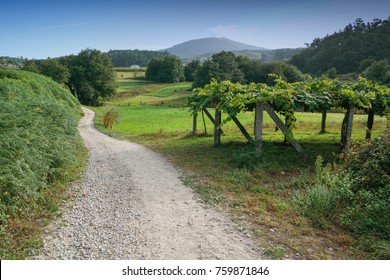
(127, 58)
(351, 50)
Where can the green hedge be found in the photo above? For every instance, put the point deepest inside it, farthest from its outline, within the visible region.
(38, 137)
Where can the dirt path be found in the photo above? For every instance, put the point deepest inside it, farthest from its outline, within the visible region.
(132, 205)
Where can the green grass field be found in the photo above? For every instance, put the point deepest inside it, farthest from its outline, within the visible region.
(256, 189)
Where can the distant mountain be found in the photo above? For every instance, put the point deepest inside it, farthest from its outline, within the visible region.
(198, 47)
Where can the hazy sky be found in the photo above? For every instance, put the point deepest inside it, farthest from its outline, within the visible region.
(41, 29)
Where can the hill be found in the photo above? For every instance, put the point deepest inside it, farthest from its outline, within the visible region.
(39, 148)
(348, 51)
(198, 47)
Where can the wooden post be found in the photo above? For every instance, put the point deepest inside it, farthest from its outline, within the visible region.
(194, 117)
(259, 123)
(217, 130)
(281, 126)
(323, 122)
(204, 123)
(348, 128)
(259, 126)
(370, 123)
(242, 129)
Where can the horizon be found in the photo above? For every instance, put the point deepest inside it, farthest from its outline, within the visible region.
(44, 29)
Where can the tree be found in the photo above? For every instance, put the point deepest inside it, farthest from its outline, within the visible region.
(165, 70)
(222, 66)
(31, 66)
(91, 76)
(54, 69)
(379, 72)
(190, 70)
(205, 73)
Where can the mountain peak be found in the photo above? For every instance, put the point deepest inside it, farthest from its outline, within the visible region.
(197, 47)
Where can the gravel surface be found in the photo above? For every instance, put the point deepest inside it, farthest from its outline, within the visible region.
(131, 204)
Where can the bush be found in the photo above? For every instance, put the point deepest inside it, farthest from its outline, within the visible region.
(369, 210)
(110, 117)
(369, 163)
(355, 194)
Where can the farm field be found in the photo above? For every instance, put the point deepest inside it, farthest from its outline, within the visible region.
(257, 191)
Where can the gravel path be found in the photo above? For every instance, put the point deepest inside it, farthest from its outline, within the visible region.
(132, 205)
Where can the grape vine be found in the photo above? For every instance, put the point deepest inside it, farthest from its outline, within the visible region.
(285, 98)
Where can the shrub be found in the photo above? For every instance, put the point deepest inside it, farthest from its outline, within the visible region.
(369, 163)
(355, 194)
(110, 117)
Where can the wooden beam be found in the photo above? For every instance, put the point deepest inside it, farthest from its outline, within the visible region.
(210, 117)
(217, 129)
(370, 123)
(346, 132)
(242, 129)
(281, 126)
(259, 123)
(194, 117)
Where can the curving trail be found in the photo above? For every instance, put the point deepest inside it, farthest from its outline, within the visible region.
(132, 205)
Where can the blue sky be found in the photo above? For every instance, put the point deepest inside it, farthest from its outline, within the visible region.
(41, 29)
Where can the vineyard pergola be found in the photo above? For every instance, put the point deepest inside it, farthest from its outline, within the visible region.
(285, 98)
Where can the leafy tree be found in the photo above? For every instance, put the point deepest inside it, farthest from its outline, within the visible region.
(379, 72)
(222, 66)
(91, 76)
(31, 66)
(205, 73)
(50, 67)
(259, 72)
(54, 69)
(190, 70)
(165, 70)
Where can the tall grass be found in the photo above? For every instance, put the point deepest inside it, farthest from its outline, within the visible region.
(39, 142)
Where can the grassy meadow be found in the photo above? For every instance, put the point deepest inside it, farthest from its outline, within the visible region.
(258, 190)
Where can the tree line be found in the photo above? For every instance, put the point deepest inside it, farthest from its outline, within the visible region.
(221, 66)
(89, 75)
(127, 58)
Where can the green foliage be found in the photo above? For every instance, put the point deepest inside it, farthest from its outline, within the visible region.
(50, 67)
(379, 72)
(368, 213)
(92, 76)
(222, 66)
(12, 61)
(356, 194)
(285, 98)
(226, 66)
(348, 50)
(319, 199)
(126, 58)
(38, 137)
(165, 70)
(190, 70)
(369, 163)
